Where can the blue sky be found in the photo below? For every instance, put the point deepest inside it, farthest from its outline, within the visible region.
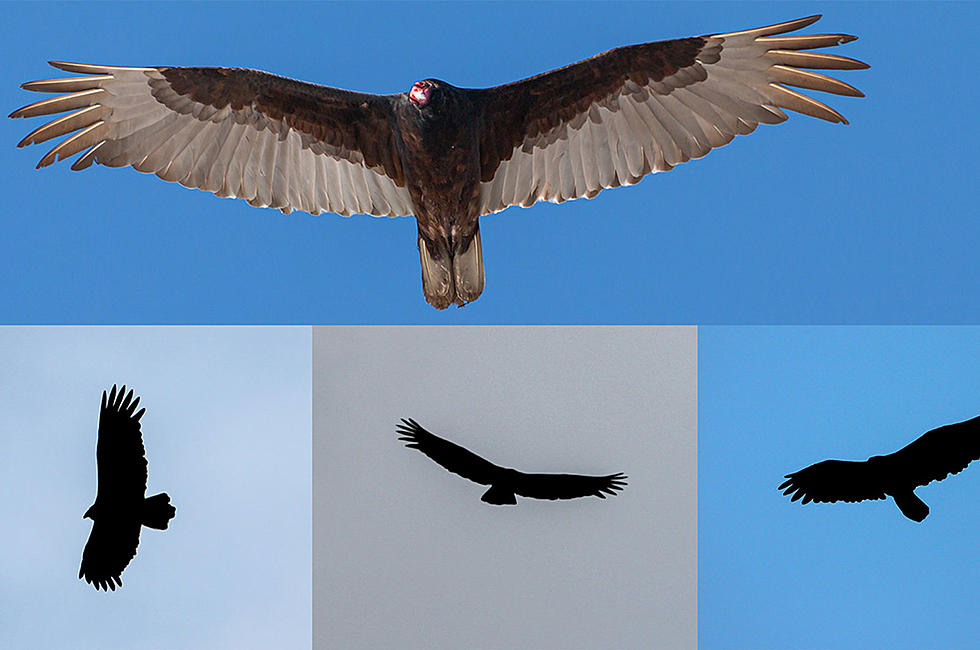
(227, 436)
(804, 222)
(775, 574)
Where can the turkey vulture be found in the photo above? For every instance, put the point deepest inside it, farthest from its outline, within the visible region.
(444, 154)
(934, 456)
(121, 506)
(505, 483)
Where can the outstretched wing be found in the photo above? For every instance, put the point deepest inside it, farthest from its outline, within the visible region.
(567, 486)
(272, 141)
(120, 455)
(451, 456)
(110, 547)
(938, 453)
(830, 481)
(612, 119)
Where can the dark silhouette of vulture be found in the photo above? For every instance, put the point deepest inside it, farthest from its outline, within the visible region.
(121, 506)
(444, 154)
(505, 483)
(932, 457)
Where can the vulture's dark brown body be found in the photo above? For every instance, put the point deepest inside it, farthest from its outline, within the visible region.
(439, 145)
(444, 154)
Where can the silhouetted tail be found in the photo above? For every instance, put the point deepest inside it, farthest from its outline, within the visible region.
(500, 496)
(448, 281)
(911, 506)
(157, 511)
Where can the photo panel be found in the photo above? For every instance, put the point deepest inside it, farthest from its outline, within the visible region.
(226, 437)
(801, 222)
(779, 573)
(405, 552)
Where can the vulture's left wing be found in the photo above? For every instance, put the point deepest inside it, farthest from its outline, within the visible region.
(567, 486)
(110, 547)
(272, 141)
(612, 119)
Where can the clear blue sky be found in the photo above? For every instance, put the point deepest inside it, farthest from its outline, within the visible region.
(775, 574)
(804, 222)
(227, 436)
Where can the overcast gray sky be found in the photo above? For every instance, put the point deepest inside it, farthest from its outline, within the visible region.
(227, 435)
(405, 553)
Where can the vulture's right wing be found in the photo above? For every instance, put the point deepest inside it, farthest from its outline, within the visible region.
(450, 455)
(272, 141)
(830, 481)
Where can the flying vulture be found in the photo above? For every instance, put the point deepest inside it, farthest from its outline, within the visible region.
(934, 456)
(505, 483)
(121, 506)
(444, 154)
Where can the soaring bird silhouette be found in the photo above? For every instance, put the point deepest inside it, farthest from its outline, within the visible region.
(932, 457)
(505, 483)
(121, 506)
(444, 154)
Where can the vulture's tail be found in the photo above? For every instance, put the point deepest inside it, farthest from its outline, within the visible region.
(911, 506)
(448, 281)
(500, 496)
(157, 511)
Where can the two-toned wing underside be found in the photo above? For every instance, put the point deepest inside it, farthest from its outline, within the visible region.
(612, 119)
(272, 141)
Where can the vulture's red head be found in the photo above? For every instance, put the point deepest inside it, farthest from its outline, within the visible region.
(421, 93)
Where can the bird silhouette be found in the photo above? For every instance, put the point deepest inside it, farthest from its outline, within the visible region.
(505, 483)
(932, 457)
(121, 506)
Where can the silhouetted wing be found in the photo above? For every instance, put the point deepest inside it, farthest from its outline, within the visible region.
(119, 452)
(612, 119)
(833, 480)
(110, 547)
(272, 141)
(451, 456)
(567, 486)
(938, 453)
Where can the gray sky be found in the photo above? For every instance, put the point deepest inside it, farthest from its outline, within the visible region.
(405, 553)
(227, 435)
